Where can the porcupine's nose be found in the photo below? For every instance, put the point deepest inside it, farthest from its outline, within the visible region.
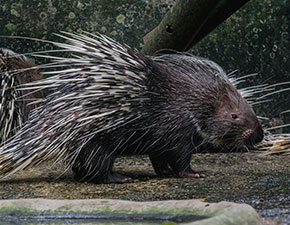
(253, 136)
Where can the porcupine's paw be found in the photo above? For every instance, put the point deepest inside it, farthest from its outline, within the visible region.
(190, 174)
(116, 178)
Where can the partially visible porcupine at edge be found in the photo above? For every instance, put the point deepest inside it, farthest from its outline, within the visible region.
(110, 100)
(15, 105)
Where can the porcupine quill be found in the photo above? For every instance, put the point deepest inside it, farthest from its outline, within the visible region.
(274, 143)
(15, 69)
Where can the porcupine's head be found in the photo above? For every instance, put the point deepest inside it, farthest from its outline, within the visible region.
(233, 124)
(214, 107)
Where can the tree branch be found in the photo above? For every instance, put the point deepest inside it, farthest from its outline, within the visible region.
(187, 22)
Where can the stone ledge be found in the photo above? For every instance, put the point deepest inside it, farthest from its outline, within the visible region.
(102, 211)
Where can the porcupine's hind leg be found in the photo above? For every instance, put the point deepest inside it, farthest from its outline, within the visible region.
(94, 165)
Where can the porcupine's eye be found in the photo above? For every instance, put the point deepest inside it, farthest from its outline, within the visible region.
(234, 116)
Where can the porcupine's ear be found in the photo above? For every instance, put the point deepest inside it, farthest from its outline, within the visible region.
(224, 100)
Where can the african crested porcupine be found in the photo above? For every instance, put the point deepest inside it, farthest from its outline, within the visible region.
(110, 100)
(15, 105)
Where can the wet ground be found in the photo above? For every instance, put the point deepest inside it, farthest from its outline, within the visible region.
(259, 180)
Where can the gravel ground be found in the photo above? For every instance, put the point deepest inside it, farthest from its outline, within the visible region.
(259, 180)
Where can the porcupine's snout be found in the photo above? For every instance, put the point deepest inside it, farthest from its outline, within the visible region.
(253, 136)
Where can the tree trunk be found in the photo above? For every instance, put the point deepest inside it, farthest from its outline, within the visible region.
(187, 22)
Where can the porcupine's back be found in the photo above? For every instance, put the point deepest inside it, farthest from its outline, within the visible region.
(94, 93)
(14, 104)
(109, 94)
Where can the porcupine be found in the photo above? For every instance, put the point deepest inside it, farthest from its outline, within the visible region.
(110, 100)
(15, 105)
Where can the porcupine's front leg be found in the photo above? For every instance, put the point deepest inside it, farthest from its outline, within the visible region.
(180, 164)
(160, 165)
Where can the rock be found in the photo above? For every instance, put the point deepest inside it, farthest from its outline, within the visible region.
(106, 210)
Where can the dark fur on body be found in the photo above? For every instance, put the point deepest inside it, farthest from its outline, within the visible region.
(184, 100)
(117, 102)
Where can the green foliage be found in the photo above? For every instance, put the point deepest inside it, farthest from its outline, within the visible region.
(126, 21)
